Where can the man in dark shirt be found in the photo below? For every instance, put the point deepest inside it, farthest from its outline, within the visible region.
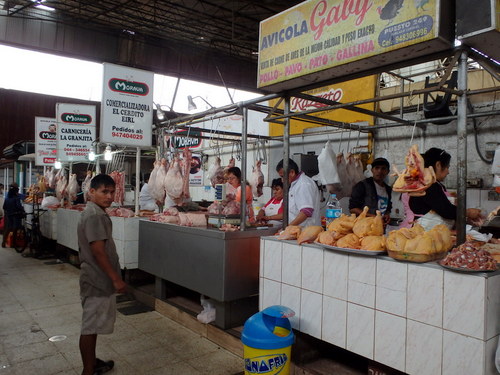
(373, 192)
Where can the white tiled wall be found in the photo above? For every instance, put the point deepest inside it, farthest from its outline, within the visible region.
(416, 318)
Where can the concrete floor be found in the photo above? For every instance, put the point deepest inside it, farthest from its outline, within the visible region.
(39, 301)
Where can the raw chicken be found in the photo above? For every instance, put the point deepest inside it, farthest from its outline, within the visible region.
(120, 212)
(192, 219)
(373, 243)
(72, 189)
(119, 178)
(291, 232)
(52, 178)
(343, 224)
(358, 169)
(216, 173)
(232, 208)
(342, 189)
(215, 208)
(173, 182)
(153, 178)
(157, 189)
(187, 156)
(86, 185)
(327, 166)
(61, 185)
(350, 241)
(232, 163)
(415, 179)
(309, 234)
(368, 226)
(326, 238)
(257, 180)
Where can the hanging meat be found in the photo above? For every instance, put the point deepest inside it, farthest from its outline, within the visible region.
(216, 173)
(119, 178)
(415, 179)
(187, 157)
(358, 169)
(327, 166)
(61, 183)
(153, 178)
(72, 189)
(52, 178)
(344, 188)
(173, 182)
(86, 185)
(257, 180)
(232, 163)
(158, 188)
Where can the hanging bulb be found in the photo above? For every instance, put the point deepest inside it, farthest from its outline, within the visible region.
(160, 115)
(107, 153)
(92, 155)
(57, 165)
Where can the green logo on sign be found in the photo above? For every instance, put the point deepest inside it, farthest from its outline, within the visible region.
(76, 118)
(127, 87)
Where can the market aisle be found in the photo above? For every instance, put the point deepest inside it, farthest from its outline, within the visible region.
(39, 300)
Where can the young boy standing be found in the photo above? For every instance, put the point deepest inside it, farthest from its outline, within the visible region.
(100, 277)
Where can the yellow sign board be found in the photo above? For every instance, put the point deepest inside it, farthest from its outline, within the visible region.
(321, 34)
(345, 92)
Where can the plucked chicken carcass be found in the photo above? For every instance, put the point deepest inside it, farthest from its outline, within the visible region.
(368, 225)
(232, 163)
(415, 179)
(72, 188)
(187, 156)
(216, 173)
(343, 224)
(173, 182)
(119, 178)
(86, 186)
(350, 241)
(326, 238)
(232, 208)
(373, 243)
(291, 232)
(190, 219)
(157, 188)
(309, 234)
(61, 184)
(257, 180)
(52, 178)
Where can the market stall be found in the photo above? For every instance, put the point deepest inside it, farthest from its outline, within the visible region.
(419, 318)
(223, 266)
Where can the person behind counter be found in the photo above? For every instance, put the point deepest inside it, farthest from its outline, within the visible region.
(373, 192)
(100, 274)
(436, 206)
(303, 196)
(272, 212)
(146, 201)
(234, 189)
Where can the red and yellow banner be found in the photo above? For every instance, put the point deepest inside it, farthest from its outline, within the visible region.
(345, 92)
(320, 34)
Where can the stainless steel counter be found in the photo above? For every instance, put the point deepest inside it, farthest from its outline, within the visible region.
(221, 265)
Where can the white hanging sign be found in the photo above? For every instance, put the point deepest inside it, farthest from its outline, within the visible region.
(76, 131)
(127, 106)
(45, 141)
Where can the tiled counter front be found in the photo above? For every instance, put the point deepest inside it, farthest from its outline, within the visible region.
(48, 224)
(125, 235)
(416, 318)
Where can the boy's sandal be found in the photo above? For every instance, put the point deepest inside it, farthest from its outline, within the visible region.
(102, 366)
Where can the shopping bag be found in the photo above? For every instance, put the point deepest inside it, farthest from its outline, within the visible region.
(2, 223)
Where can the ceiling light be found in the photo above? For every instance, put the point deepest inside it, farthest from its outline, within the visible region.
(91, 155)
(57, 165)
(160, 115)
(192, 106)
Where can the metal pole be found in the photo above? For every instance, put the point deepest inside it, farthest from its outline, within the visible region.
(462, 148)
(286, 156)
(243, 187)
(29, 173)
(137, 173)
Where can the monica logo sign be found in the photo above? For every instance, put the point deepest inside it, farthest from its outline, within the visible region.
(266, 364)
(76, 118)
(47, 135)
(127, 87)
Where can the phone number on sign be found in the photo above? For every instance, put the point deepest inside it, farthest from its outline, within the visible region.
(127, 135)
(411, 35)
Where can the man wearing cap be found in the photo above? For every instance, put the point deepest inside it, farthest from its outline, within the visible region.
(373, 192)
